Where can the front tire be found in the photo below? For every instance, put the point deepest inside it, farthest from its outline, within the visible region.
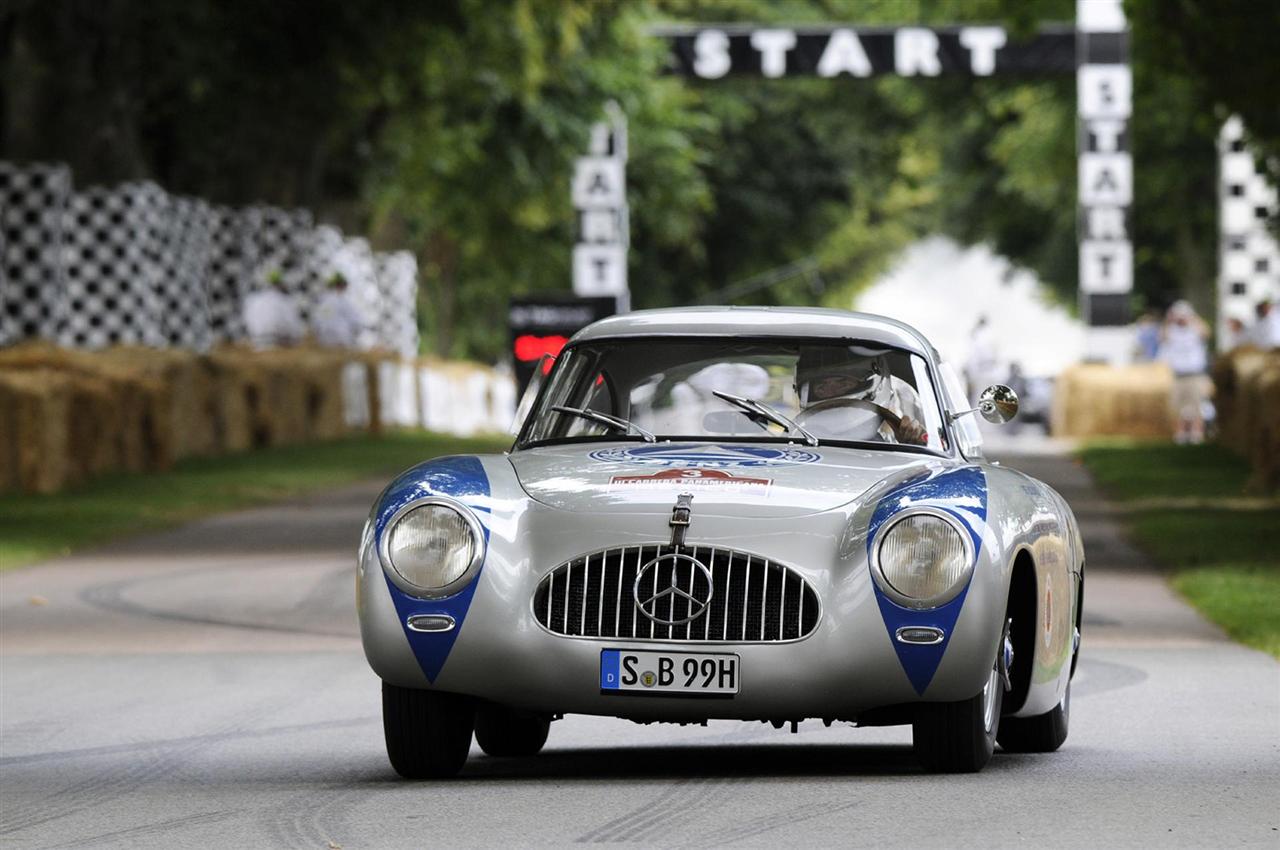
(503, 732)
(1042, 733)
(959, 737)
(428, 733)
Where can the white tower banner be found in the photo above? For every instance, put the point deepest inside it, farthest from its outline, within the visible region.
(1104, 95)
(599, 194)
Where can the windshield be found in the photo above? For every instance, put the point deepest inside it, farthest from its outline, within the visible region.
(732, 389)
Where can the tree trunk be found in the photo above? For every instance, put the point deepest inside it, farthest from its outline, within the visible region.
(1196, 279)
(438, 269)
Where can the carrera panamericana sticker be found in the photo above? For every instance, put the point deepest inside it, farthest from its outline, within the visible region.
(697, 479)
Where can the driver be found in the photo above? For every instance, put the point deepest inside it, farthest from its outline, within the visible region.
(828, 373)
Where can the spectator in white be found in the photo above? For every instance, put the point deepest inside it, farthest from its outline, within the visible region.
(1235, 334)
(1266, 331)
(271, 315)
(981, 369)
(1184, 348)
(337, 320)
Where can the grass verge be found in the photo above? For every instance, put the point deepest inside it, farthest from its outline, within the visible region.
(37, 527)
(1222, 554)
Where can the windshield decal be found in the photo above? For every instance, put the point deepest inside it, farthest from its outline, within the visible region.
(696, 479)
(696, 456)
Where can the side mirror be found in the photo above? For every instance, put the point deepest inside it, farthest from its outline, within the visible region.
(998, 404)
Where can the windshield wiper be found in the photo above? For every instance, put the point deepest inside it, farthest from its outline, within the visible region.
(615, 422)
(764, 411)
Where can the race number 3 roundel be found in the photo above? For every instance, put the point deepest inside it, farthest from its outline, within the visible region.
(693, 456)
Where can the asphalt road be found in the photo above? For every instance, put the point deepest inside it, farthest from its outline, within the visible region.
(205, 688)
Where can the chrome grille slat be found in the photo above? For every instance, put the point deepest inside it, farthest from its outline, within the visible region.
(600, 596)
(746, 603)
(706, 620)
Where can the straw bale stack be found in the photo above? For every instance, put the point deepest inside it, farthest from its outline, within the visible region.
(1265, 449)
(66, 415)
(34, 415)
(279, 397)
(1247, 382)
(187, 395)
(1093, 400)
(119, 410)
(57, 428)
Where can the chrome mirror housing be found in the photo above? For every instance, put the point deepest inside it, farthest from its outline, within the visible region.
(998, 404)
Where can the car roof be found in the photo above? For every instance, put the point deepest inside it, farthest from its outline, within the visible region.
(803, 322)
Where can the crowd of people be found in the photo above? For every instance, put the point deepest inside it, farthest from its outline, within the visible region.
(1180, 338)
(273, 318)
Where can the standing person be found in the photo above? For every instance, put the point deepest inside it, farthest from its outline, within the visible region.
(1235, 334)
(337, 322)
(981, 367)
(1148, 337)
(1266, 331)
(1185, 349)
(271, 315)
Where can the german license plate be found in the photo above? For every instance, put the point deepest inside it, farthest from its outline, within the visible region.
(683, 673)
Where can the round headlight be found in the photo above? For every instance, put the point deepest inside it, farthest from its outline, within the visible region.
(923, 558)
(431, 546)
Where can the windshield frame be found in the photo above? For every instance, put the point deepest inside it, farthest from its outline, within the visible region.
(522, 442)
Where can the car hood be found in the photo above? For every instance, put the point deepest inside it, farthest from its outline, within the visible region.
(737, 479)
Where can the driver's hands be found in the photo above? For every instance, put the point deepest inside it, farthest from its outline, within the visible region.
(912, 432)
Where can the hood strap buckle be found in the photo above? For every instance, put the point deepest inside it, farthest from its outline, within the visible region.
(681, 513)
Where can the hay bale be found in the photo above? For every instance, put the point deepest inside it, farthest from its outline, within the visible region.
(1263, 447)
(36, 405)
(1093, 400)
(1247, 397)
(284, 396)
(185, 403)
(132, 400)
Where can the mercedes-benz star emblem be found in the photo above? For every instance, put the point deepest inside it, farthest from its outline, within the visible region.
(660, 583)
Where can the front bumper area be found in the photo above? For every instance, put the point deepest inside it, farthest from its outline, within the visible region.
(847, 666)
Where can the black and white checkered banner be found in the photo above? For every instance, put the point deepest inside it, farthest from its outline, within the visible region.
(135, 265)
(1249, 256)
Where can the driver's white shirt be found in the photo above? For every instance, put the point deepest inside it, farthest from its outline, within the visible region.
(839, 423)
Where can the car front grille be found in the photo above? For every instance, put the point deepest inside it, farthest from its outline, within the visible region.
(752, 599)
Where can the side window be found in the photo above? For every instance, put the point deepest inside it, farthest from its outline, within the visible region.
(965, 428)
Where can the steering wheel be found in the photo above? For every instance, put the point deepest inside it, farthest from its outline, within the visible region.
(883, 412)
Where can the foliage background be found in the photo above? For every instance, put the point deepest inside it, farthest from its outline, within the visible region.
(451, 127)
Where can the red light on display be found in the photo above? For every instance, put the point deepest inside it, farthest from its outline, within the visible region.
(530, 347)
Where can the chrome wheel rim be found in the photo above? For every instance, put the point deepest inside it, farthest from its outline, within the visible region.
(989, 700)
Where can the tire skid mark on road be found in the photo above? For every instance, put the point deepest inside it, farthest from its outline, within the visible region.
(159, 828)
(311, 819)
(752, 827)
(113, 749)
(110, 596)
(1098, 677)
(109, 783)
(680, 803)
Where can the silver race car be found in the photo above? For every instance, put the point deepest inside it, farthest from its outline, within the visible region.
(743, 513)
